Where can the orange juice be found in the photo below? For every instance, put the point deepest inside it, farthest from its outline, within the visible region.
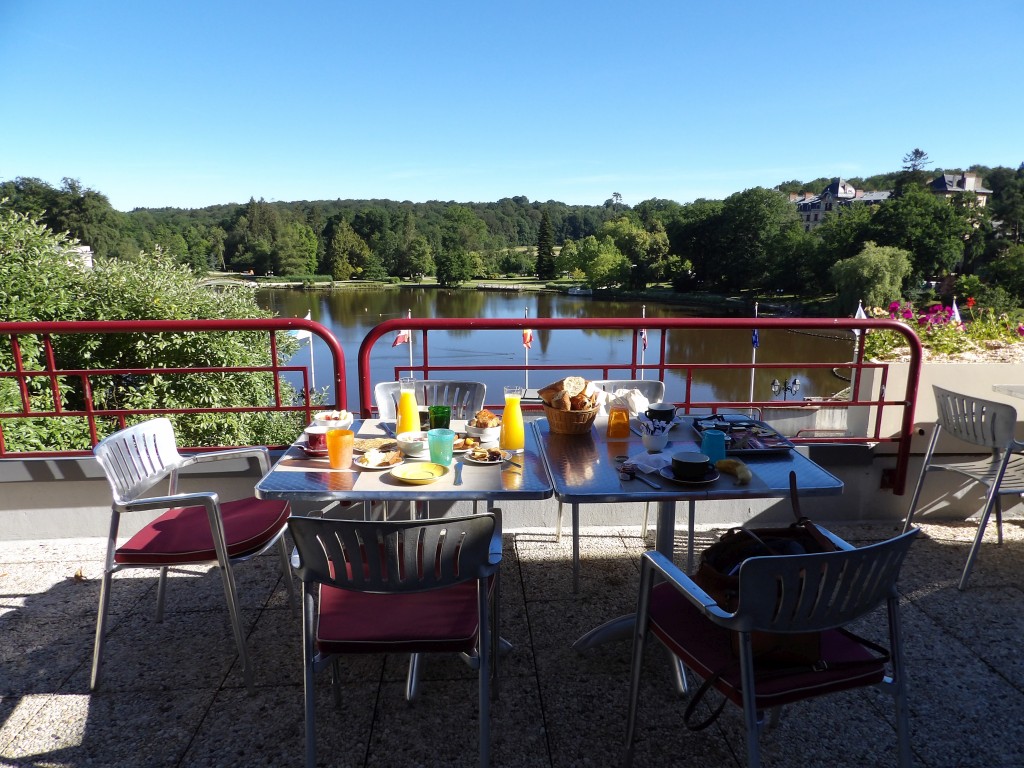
(513, 434)
(408, 411)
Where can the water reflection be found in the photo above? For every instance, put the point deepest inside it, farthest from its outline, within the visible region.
(350, 314)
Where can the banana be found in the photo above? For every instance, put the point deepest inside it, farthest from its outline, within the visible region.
(735, 467)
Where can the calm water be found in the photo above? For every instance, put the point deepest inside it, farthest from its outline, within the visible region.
(350, 314)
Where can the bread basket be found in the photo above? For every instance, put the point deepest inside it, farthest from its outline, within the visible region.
(570, 422)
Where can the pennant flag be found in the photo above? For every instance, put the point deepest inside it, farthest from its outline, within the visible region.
(859, 315)
(755, 340)
(527, 338)
(955, 314)
(301, 333)
(643, 337)
(402, 337)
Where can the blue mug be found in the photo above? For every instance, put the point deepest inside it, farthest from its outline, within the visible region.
(712, 444)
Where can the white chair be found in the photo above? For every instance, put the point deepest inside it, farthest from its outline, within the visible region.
(989, 425)
(393, 587)
(782, 594)
(464, 397)
(196, 528)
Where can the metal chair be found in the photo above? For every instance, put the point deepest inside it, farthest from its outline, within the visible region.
(397, 586)
(196, 528)
(654, 391)
(786, 594)
(989, 425)
(464, 397)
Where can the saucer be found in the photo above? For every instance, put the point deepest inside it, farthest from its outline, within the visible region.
(710, 477)
(314, 453)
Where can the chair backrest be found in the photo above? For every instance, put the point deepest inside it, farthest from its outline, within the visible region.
(393, 556)
(464, 397)
(135, 458)
(980, 422)
(653, 390)
(807, 593)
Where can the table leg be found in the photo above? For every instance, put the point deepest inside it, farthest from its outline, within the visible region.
(575, 548)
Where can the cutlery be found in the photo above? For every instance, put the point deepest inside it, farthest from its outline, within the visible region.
(458, 473)
(386, 428)
(643, 479)
(635, 431)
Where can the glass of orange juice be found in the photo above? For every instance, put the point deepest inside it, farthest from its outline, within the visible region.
(513, 433)
(339, 448)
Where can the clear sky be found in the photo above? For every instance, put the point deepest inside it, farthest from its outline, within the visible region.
(197, 102)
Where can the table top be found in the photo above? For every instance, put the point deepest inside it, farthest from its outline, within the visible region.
(1014, 390)
(583, 469)
(296, 477)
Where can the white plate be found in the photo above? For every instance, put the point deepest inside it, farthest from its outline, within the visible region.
(708, 479)
(505, 456)
(358, 462)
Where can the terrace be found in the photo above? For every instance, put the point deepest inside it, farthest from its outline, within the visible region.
(173, 694)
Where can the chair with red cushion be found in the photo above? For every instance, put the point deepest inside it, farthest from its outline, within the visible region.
(195, 528)
(411, 586)
(785, 594)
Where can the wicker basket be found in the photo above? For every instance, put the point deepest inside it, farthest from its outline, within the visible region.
(570, 422)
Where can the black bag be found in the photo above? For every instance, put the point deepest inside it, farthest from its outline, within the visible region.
(717, 574)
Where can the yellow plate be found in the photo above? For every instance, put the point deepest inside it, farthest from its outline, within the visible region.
(420, 473)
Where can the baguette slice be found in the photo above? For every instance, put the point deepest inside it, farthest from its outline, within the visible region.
(574, 385)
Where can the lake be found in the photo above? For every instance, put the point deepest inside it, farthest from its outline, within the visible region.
(350, 314)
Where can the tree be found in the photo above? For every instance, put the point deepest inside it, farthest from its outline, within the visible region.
(463, 233)
(347, 253)
(749, 237)
(295, 252)
(415, 259)
(546, 269)
(875, 275)
(916, 160)
(644, 249)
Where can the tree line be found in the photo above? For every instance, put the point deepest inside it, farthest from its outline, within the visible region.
(751, 240)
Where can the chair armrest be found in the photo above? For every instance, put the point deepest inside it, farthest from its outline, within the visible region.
(683, 584)
(205, 498)
(258, 451)
(838, 541)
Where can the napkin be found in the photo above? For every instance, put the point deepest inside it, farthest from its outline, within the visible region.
(650, 462)
(630, 398)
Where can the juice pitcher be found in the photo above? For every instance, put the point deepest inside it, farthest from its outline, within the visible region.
(513, 433)
(408, 410)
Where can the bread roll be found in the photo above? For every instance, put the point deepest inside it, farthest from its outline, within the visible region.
(562, 401)
(548, 393)
(574, 385)
(580, 403)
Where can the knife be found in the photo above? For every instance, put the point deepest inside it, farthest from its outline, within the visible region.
(458, 473)
(386, 428)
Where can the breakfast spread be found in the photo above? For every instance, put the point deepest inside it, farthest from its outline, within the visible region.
(342, 415)
(486, 454)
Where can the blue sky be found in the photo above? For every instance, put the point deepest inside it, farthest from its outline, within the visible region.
(190, 103)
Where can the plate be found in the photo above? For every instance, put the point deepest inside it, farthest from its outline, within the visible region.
(358, 462)
(505, 456)
(463, 436)
(363, 444)
(317, 454)
(709, 478)
(419, 473)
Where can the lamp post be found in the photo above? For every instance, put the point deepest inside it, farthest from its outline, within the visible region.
(785, 387)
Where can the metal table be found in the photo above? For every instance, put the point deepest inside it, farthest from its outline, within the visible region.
(583, 470)
(1013, 390)
(297, 478)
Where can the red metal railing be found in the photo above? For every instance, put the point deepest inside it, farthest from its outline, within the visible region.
(58, 380)
(659, 328)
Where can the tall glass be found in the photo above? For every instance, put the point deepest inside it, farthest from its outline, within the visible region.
(513, 433)
(408, 411)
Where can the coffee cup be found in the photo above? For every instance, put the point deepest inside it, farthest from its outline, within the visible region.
(689, 465)
(316, 438)
(661, 412)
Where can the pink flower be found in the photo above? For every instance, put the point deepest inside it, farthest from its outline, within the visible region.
(1020, 329)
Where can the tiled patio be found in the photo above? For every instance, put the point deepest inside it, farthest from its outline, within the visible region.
(173, 695)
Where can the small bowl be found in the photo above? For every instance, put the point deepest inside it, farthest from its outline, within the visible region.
(340, 419)
(655, 443)
(412, 443)
(688, 465)
(485, 434)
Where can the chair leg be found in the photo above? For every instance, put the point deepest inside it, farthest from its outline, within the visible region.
(991, 500)
(558, 524)
(101, 629)
(286, 571)
(484, 673)
(161, 592)
(231, 594)
(412, 678)
(920, 478)
(309, 691)
(575, 547)
(636, 663)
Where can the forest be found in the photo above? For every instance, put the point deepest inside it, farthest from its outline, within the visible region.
(751, 240)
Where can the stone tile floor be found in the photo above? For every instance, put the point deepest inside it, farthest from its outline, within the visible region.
(173, 694)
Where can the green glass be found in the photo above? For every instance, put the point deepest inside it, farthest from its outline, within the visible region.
(440, 416)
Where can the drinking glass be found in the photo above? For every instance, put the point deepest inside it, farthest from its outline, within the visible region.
(408, 411)
(441, 443)
(440, 416)
(339, 447)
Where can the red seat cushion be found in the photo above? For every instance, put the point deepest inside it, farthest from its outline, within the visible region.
(182, 535)
(361, 622)
(706, 648)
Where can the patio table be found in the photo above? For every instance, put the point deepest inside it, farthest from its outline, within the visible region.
(584, 470)
(296, 477)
